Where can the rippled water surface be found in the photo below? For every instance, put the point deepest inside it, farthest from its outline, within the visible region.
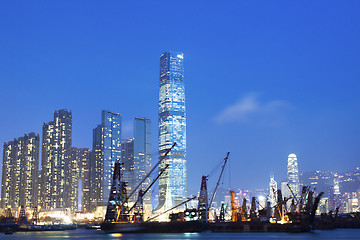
(337, 234)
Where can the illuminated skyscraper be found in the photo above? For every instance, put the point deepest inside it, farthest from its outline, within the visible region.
(293, 174)
(20, 172)
(127, 171)
(273, 190)
(106, 151)
(56, 145)
(172, 128)
(79, 179)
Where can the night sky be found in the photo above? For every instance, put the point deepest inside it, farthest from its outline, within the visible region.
(263, 78)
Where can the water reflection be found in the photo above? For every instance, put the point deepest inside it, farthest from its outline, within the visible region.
(82, 234)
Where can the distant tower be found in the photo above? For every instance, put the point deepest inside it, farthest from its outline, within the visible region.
(172, 128)
(106, 152)
(293, 174)
(273, 190)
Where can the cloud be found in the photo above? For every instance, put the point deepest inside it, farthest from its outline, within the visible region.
(250, 108)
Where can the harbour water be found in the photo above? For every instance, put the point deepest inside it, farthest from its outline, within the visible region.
(337, 234)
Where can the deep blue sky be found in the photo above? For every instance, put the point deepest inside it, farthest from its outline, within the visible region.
(263, 78)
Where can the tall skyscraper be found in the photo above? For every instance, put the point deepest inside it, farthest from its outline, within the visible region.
(142, 158)
(172, 128)
(96, 169)
(272, 190)
(106, 151)
(55, 161)
(79, 179)
(293, 174)
(20, 172)
(127, 171)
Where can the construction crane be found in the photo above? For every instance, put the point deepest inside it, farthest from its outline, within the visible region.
(141, 182)
(218, 182)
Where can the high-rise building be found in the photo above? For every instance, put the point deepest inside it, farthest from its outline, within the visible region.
(96, 169)
(172, 128)
(55, 161)
(293, 174)
(136, 160)
(128, 174)
(272, 190)
(106, 151)
(79, 179)
(20, 172)
(142, 157)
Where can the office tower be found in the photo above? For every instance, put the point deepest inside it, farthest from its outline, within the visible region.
(96, 169)
(79, 167)
(172, 128)
(20, 172)
(136, 159)
(142, 158)
(273, 190)
(106, 151)
(55, 172)
(293, 174)
(127, 170)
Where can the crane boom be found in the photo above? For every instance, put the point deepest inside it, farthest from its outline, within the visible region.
(147, 175)
(218, 182)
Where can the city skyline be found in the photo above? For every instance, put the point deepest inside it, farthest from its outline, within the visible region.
(262, 80)
(22, 155)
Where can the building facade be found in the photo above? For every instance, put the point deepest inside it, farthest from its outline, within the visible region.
(79, 179)
(20, 172)
(55, 161)
(142, 157)
(172, 128)
(272, 190)
(106, 151)
(136, 161)
(293, 174)
(128, 173)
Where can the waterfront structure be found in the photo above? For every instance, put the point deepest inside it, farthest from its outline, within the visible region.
(20, 172)
(79, 167)
(172, 128)
(55, 161)
(293, 174)
(106, 151)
